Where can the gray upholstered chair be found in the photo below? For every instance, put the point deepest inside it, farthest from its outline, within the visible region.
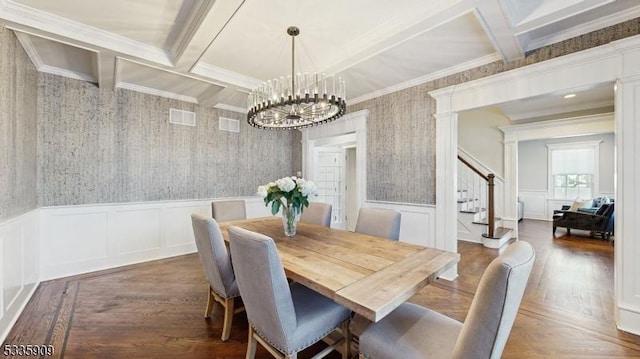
(283, 319)
(379, 222)
(412, 332)
(224, 211)
(317, 213)
(217, 267)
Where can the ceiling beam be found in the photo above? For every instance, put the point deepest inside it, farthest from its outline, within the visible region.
(498, 29)
(205, 22)
(39, 23)
(107, 70)
(212, 97)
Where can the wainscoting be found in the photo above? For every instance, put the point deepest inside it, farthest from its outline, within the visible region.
(537, 205)
(55, 242)
(417, 224)
(19, 261)
(79, 239)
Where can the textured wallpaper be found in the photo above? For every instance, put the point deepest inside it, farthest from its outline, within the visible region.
(18, 131)
(101, 146)
(401, 129)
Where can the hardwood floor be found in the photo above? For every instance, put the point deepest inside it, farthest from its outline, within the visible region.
(155, 309)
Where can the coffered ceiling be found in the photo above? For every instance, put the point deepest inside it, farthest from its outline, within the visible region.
(212, 52)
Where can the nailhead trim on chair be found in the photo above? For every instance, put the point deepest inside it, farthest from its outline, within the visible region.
(299, 349)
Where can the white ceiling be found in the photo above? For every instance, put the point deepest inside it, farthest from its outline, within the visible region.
(213, 52)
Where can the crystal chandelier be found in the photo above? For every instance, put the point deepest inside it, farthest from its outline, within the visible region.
(297, 101)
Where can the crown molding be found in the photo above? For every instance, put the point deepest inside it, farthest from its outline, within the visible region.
(227, 76)
(584, 28)
(39, 22)
(156, 92)
(429, 77)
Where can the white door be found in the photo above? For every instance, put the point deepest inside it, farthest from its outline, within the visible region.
(330, 178)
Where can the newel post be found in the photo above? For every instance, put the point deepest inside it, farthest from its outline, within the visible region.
(491, 205)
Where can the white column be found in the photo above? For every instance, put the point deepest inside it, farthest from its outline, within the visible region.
(510, 215)
(361, 162)
(307, 155)
(627, 222)
(446, 185)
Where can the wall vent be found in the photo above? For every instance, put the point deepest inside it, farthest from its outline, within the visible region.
(229, 124)
(181, 117)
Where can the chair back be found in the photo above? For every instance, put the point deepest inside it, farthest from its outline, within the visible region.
(317, 213)
(379, 222)
(214, 255)
(224, 211)
(263, 286)
(495, 305)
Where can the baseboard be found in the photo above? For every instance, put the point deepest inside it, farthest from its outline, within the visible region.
(628, 320)
(19, 263)
(10, 317)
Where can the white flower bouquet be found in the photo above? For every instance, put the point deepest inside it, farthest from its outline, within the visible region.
(289, 194)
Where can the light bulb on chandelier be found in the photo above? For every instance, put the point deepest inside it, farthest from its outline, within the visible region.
(297, 101)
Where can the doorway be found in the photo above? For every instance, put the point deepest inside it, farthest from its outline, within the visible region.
(334, 174)
(348, 136)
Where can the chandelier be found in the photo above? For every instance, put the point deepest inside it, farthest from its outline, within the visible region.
(297, 101)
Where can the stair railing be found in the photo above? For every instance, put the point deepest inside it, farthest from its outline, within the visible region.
(490, 180)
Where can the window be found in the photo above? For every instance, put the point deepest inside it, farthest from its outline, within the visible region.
(573, 170)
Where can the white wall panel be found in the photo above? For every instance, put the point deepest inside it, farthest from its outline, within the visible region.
(135, 230)
(12, 266)
(417, 224)
(78, 235)
(176, 224)
(255, 208)
(79, 239)
(19, 260)
(535, 204)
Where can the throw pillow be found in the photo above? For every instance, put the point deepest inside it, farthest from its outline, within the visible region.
(578, 203)
(606, 200)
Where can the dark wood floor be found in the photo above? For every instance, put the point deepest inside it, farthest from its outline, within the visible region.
(154, 309)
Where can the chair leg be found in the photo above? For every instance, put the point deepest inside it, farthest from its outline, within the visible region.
(229, 304)
(210, 303)
(251, 345)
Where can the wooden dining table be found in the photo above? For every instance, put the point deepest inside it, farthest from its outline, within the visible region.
(369, 275)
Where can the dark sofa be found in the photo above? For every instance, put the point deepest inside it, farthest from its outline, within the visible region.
(600, 222)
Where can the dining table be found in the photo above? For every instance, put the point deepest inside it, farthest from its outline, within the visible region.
(369, 275)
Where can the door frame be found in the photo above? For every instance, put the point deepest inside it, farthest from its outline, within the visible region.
(355, 122)
(616, 63)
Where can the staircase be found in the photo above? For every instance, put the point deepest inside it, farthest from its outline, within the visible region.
(476, 208)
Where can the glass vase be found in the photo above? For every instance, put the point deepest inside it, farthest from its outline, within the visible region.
(290, 219)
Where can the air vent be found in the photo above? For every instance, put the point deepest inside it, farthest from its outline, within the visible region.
(229, 124)
(181, 117)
